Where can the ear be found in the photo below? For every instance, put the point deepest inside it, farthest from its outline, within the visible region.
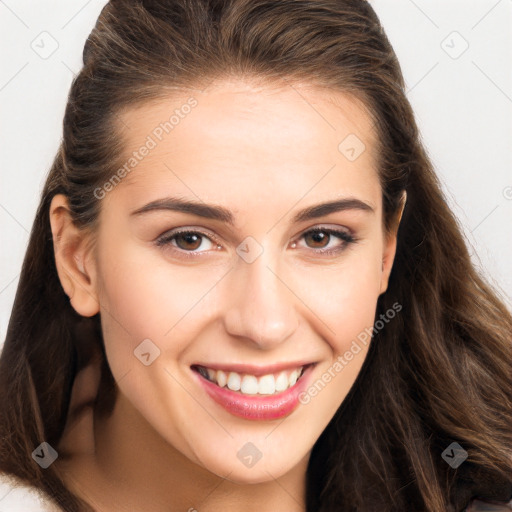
(73, 258)
(388, 255)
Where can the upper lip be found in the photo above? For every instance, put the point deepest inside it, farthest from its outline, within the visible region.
(253, 369)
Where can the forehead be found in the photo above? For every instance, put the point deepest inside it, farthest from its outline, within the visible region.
(236, 136)
(302, 109)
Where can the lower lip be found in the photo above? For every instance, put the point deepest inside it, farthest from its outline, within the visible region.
(257, 407)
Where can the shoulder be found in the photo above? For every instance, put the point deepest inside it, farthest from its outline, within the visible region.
(19, 497)
(486, 506)
(478, 489)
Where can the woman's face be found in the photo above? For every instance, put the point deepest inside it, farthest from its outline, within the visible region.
(249, 293)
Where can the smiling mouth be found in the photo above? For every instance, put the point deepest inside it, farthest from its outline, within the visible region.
(247, 384)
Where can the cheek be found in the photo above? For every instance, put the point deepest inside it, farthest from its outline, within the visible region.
(143, 296)
(345, 297)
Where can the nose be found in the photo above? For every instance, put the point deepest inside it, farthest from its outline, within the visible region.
(260, 304)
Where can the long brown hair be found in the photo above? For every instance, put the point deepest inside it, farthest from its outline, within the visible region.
(440, 372)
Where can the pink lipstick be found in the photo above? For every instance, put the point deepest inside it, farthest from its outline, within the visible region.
(255, 406)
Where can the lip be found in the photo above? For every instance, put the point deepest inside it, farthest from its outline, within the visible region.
(253, 407)
(255, 370)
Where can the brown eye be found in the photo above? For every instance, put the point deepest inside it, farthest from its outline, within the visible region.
(188, 241)
(326, 241)
(318, 239)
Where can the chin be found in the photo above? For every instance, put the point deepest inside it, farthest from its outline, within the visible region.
(248, 476)
(260, 472)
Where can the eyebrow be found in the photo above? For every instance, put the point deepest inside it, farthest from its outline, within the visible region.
(214, 212)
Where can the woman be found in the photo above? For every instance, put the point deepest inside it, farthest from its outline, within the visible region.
(244, 287)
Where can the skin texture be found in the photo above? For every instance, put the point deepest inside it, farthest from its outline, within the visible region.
(264, 153)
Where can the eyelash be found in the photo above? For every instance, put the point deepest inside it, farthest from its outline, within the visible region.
(165, 240)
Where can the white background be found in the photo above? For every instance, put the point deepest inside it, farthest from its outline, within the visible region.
(463, 107)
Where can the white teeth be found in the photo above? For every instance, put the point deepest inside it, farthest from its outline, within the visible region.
(251, 385)
(221, 378)
(282, 382)
(267, 385)
(234, 381)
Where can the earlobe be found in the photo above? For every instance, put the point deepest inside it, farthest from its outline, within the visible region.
(73, 258)
(387, 263)
(388, 256)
